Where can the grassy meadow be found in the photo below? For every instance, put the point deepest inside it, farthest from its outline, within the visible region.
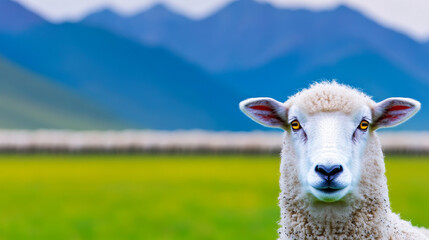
(164, 196)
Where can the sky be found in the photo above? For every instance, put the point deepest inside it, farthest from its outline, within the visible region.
(407, 16)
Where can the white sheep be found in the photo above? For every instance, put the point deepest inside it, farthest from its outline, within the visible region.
(332, 169)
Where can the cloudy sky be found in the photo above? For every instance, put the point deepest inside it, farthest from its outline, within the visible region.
(408, 16)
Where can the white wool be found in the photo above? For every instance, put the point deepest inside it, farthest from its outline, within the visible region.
(329, 97)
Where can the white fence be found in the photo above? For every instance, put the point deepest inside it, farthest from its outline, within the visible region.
(179, 141)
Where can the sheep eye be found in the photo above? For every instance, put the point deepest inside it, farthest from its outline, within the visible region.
(295, 125)
(364, 125)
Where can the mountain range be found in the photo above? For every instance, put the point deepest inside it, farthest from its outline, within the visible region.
(160, 70)
(148, 86)
(15, 18)
(247, 34)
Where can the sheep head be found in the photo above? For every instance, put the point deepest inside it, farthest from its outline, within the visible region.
(329, 126)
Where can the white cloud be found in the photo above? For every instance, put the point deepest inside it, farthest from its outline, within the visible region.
(410, 17)
(73, 10)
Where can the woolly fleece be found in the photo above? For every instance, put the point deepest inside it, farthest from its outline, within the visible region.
(362, 214)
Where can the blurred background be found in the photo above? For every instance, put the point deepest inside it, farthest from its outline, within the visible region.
(119, 118)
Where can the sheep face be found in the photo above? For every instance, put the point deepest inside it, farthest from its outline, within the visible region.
(329, 125)
(329, 147)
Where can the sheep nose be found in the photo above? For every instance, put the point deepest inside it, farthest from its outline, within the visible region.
(328, 173)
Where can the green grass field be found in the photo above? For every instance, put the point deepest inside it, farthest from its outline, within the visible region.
(164, 197)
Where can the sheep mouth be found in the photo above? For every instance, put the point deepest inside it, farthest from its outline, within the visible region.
(329, 190)
(330, 193)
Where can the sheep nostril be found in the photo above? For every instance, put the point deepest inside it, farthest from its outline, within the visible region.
(336, 169)
(328, 172)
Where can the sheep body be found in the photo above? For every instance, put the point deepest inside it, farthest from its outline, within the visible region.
(366, 214)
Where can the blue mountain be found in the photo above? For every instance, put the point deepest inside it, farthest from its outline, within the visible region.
(150, 87)
(14, 17)
(246, 34)
(29, 101)
(259, 50)
(152, 26)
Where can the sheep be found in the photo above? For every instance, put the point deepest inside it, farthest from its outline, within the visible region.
(332, 167)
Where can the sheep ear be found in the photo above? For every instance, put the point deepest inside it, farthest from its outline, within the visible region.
(265, 111)
(394, 111)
